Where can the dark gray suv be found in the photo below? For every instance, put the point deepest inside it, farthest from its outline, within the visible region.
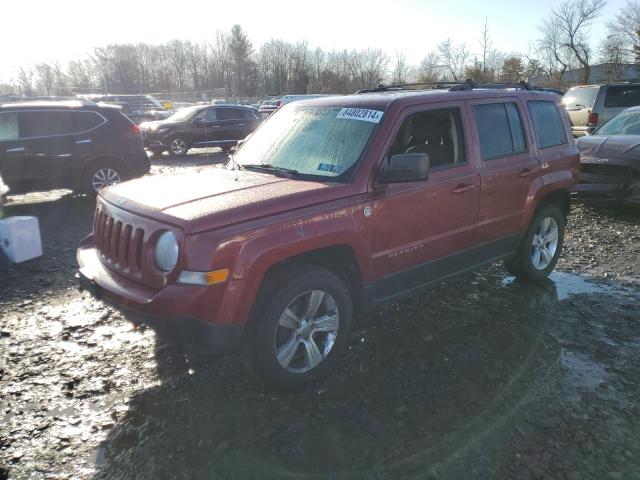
(200, 126)
(83, 146)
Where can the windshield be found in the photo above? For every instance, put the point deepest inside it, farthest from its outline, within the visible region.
(183, 114)
(625, 123)
(315, 141)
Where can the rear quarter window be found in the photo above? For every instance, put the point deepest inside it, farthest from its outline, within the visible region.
(622, 97)
(85, 121)
(547, 123)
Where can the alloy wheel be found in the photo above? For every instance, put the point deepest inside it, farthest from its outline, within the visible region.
(544, 243)
(103, 177)
(178, 146)
(306, 331)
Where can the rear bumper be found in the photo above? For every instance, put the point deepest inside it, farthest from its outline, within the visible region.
(174, 312)
(581, 131)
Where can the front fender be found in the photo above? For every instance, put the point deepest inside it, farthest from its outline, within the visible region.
(270, 245)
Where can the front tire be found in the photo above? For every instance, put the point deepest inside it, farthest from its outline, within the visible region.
(178, 146)
(541, 247)
(299, 327)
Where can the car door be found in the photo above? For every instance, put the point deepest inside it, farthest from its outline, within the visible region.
(426, 230)
(13, 165)
(203, 127)
(233, 124)
(507, 169)
(49, 142)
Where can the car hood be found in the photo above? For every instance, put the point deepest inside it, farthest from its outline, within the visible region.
(611, 146)
(214, 197)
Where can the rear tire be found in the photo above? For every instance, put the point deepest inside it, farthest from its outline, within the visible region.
(299, 327)
(541, 246)
(103, 173)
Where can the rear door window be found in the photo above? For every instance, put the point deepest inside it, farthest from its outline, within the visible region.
(43, 123)
(500, 130)
(9, 129)
(547, 123)
(622, 97)
(230, 114)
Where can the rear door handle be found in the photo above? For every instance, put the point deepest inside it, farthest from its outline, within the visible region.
(463, 188)
(527, 171)
(14, 150)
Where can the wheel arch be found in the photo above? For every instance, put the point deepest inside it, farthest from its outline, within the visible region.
(338, 259)
(558, 198)
(97, 159)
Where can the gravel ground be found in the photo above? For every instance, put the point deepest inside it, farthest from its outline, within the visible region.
(477, 377)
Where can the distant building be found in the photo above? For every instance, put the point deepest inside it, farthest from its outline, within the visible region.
(601, 73)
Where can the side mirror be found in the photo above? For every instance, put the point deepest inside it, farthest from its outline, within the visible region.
(405, 167)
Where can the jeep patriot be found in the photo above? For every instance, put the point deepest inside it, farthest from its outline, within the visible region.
(332, 206)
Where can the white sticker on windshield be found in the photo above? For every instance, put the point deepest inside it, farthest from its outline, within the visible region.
(373, 116)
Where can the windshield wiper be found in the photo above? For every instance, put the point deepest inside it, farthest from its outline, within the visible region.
(287, 172)
(236, 165)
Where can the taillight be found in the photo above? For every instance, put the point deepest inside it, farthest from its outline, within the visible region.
(134, 132)
(592, 119)
(278, 103)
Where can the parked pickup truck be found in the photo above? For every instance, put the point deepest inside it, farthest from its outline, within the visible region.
(332, 206)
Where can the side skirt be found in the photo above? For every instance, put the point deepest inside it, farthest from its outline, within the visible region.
(415, 278)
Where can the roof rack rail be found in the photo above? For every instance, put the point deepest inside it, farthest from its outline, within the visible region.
(468, 84)
(407, 86)
(471, 85)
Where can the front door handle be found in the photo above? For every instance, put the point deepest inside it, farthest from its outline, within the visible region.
(527, 171)
(14, 150)
(463, 188)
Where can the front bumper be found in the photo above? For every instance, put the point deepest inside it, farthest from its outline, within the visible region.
(172, 312)
(608, 177)
(153, 139)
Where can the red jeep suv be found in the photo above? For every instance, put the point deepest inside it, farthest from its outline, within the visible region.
(332, 206)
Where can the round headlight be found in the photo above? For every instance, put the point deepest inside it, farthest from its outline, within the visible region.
(166, 251)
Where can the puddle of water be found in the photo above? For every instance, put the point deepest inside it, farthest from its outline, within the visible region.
(569, 284)
(582, 371)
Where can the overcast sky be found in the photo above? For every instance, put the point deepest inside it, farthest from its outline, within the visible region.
(47, 30)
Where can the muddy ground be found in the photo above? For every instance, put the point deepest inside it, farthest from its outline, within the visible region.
(477, 377)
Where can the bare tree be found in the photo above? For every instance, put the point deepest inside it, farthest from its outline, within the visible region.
(486, 45)
(453, 58)
(571, 22)
(553, 52)
(400, 72)
(430, 70)
(45, 78)
(626, 26)
(25, 81)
